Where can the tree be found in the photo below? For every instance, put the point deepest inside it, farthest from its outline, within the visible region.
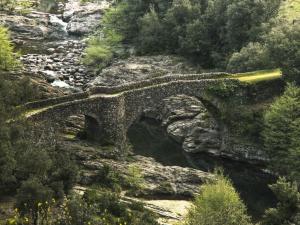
(279, 48)
(287, 211)
(283, 45)
(252, 57)
(281, 133)
(218, 204)
(151, 34)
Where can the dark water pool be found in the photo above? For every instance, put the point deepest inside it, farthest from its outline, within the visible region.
(149, 139)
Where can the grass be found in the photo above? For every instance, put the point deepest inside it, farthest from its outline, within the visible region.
(256, 76)
(290, 10)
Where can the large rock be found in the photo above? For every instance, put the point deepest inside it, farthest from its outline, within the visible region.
(83, 18)
(159, 179)
(35, 26)
(189, 122)
(31, 27)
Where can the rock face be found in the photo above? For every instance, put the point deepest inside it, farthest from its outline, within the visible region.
(83, 18)
(159, 180)
(35, 26)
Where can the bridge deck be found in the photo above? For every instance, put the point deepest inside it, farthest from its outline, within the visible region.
(41, 106)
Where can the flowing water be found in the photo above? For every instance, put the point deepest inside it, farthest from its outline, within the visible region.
(149, 139)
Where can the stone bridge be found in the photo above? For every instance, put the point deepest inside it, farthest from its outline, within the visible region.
(110, 111)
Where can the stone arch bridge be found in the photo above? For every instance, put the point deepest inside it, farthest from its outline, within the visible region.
(110, 111)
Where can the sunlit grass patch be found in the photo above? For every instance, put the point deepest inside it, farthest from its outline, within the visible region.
(34, 111)
(260, 75)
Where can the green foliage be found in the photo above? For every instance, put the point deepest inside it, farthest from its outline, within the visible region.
(151, 34)
(13, 92)
(224, 90)
(281, 133)
(7, 57)
(16, 6)
(30, 196)
(105, 45)
(252, 57)
(218, 204)
(287, 211)
(207, 31)
(97, 52)
(108, 178)
(278, 49)
(284, 49)
(134, 179)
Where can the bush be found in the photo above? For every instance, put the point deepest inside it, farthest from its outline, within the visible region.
(97, 53)
(151, 34)
(218, 204)
(105, 45)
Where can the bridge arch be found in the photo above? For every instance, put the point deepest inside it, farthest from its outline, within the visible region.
(110, 112)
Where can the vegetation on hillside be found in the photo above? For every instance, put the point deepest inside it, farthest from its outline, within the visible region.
(32, 171)
(207, 32)
(236, 35)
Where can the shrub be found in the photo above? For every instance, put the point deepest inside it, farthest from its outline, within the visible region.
(218, 204)
(97, 53)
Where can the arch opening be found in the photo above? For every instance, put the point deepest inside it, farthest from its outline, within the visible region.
(190, 122)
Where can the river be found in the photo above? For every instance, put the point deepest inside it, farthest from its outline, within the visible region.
(149, 139)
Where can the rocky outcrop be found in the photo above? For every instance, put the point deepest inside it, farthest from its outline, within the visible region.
(159, 180)
(136, 69)
(83, 18)
(35, 26)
